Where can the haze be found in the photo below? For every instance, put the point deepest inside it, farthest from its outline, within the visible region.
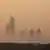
(27, 13)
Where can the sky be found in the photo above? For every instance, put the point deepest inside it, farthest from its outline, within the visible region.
(27, 13)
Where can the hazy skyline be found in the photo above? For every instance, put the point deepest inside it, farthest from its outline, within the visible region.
(27, 13)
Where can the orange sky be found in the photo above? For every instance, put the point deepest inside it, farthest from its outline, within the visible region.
(28, 13)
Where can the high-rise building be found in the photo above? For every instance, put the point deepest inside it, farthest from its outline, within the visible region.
(12, 23)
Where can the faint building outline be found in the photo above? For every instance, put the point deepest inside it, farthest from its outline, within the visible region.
(10, 25)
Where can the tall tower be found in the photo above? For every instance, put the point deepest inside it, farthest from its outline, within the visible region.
(12, 23)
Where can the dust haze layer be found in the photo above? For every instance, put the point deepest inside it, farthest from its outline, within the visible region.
(27, 13)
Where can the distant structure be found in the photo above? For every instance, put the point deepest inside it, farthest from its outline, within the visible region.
(31, 31)
(12, 23)
(39, 30)
(38, 33)
(21, 33)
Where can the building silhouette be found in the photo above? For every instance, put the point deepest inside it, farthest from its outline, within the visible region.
(31, 32)
(38, 34)
(10, 25)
